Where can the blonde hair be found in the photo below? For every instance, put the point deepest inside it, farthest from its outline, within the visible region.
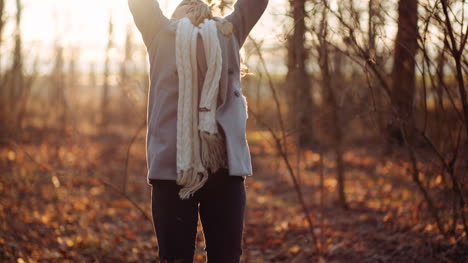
(199, 13)
(244, 69)
(204, 10)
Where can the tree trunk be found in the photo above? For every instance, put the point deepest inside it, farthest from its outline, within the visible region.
(2, 23)
(297, 79)
(105, 113)
(125, 113)
(403, 75)
(331, 107)
(16, 86)
(3, 86)
(59, 85)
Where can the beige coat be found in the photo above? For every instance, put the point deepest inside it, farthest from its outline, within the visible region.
(158, 33)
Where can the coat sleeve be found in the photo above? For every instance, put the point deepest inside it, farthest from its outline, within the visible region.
(148, 18)
(244, 17)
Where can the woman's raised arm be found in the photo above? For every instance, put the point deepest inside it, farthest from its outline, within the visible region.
(148, 18)
(245, 15)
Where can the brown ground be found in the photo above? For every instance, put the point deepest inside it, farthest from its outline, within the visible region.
(62, 200)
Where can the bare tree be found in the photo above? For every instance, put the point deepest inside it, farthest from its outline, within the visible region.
(125, 76)
(58, 99)
(456, 48)
(92, 84)
(221, 5)
(2, 22)
(3, 90)
(331, 105)
(403, 75)
(297, 79)
(17, 67)
(15, 85)
(16, 81)
(73, 83)
(105, 111)
(375, 22)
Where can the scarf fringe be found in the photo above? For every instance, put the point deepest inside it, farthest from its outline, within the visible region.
(192, 182)
(213, 151)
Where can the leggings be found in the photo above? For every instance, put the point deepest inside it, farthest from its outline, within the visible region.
(221, 204)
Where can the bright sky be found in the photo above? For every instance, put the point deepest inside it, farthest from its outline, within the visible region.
(84, 24)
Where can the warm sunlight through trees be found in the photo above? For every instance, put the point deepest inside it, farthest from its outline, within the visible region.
(358, 131)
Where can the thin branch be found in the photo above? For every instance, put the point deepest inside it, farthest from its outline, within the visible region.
(132, 141)
(93, 174)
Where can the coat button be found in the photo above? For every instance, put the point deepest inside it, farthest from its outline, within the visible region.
(236, 93)
(230, 71)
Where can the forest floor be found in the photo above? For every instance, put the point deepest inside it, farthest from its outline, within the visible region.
(73, 198)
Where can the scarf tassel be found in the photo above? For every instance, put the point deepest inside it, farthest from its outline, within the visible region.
(213, 151)
(192, 182)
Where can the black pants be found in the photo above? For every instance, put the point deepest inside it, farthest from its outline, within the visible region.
(221, 203)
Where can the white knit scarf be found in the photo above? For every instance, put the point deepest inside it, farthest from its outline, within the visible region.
(199, 144)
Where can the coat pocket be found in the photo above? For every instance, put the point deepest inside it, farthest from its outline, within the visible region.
(241, 101)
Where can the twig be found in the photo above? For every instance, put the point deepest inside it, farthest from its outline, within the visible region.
(417, 180)
(457, 55)
(282, 147)
(93, 175)
(297, 187)
(132, 141)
